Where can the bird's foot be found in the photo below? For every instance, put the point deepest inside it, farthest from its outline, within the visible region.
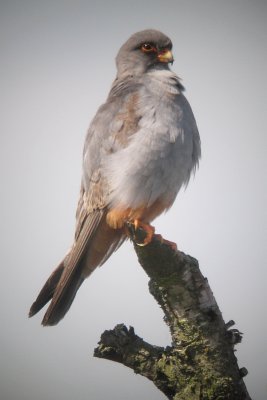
(150, 230)
(140, 230)
(172, 245)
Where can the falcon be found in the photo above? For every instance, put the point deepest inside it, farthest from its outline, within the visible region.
(141, 148)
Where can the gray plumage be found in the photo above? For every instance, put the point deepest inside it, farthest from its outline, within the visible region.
(141, 148)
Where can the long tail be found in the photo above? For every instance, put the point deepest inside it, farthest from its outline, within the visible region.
(95, 243)
(57, 309)
(64, 282)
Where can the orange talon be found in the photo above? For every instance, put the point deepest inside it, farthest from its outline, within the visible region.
(136, 224)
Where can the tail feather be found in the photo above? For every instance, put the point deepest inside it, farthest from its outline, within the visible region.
(47, 291)
(57, 309)
(93, 246)
(64, 282)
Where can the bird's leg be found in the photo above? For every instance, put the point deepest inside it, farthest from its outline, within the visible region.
(135, 225)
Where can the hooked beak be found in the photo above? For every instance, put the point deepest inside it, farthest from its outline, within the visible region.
(165, 56)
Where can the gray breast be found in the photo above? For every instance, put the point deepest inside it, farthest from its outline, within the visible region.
(161, 155)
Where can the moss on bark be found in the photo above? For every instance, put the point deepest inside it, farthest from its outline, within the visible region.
(201, 363)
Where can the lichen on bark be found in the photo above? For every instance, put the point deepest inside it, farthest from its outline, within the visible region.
(200, 364)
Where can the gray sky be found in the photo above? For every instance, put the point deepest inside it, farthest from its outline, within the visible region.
(57, 65)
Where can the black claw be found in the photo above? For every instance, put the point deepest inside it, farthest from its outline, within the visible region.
(138, 235)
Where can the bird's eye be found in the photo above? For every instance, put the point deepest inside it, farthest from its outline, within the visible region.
(147, 48)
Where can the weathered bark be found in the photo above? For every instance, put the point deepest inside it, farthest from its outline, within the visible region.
(200, 364)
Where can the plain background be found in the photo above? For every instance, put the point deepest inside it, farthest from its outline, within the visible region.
(57, 65)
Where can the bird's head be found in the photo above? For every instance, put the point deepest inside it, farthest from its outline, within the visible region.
(144, 50)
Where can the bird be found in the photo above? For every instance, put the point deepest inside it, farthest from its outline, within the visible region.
(141, 147)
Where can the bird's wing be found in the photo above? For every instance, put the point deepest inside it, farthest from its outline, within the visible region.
(94, 240)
